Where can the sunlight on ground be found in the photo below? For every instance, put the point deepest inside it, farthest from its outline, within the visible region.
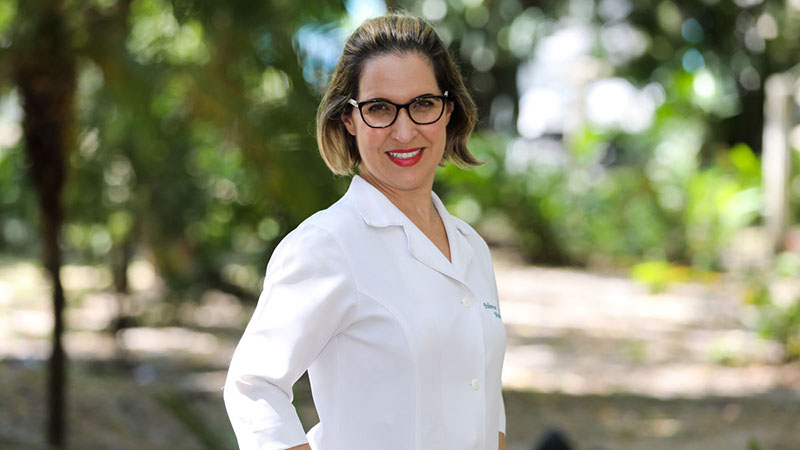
(597, 355)
(96, 311)
(205, 382)
(6, 291)
(578, 333)
(75, 278)
(215, 309)
(164, 341)
(568, 331)
(26, 317)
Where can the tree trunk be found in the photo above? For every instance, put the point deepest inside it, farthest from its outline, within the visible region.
(44, 72)
(777, 156)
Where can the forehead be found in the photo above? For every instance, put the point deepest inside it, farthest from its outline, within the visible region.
(397, 77)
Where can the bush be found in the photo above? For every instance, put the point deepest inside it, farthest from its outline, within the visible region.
(569, 207)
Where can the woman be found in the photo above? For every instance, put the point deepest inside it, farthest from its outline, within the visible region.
(387, 300)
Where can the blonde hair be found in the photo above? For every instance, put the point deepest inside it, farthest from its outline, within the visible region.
(398, 34)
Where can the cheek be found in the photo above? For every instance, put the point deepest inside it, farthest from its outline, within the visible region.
(369, 139)
(440, 135)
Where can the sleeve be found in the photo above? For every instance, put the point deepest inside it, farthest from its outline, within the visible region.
(502, 407)
(308, 297)
(502, 410)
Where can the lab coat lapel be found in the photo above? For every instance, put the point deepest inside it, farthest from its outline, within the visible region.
(461, 250)
(427, 253)
(379, 211)
(374, 207)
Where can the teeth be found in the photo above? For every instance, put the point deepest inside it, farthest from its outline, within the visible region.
(407, 155)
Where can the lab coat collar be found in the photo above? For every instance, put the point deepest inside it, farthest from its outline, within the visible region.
(378, 211)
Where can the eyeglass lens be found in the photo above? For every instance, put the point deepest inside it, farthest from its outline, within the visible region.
(422, 111)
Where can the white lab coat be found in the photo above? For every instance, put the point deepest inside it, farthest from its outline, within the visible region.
(404, 349)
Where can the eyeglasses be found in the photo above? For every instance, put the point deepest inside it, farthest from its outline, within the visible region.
(381, 113)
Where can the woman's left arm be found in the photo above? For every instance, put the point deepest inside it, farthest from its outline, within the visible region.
(502, 434)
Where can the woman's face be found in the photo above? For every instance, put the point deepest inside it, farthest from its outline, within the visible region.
(405, 155)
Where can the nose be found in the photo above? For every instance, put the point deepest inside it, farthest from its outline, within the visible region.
(403, 129)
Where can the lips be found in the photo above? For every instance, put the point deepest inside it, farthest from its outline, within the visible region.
(405, 157)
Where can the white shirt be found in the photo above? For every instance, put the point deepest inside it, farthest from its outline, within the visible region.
(404, 349)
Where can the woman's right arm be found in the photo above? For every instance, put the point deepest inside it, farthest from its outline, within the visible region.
(308, 297)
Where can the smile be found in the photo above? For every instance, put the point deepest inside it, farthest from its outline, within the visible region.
(406, 157)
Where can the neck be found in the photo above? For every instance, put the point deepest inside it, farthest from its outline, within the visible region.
(416, 204)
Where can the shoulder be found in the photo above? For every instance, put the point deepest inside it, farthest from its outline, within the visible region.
(323, 235)
(307, 246)
(337, 218)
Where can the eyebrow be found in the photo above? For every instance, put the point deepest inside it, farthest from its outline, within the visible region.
(382, 99)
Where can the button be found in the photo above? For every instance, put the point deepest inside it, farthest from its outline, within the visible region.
(476, 384)
(466, 301)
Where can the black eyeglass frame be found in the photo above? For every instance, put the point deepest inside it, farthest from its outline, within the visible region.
(398, 107)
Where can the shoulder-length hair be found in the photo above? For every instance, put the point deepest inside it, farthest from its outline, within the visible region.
(398, 34)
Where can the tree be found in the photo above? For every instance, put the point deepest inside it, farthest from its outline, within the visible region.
(193, 122)
(44, 72)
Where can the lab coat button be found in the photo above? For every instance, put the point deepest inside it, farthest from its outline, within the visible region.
(466, 301)
(476, 384)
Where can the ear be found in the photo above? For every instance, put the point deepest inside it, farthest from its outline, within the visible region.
(448, 110)
(347, 119)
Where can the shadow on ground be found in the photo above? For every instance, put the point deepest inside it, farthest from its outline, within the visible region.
(150, 406)
(597, 356)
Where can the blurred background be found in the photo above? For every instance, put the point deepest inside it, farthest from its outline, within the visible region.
(640, 189)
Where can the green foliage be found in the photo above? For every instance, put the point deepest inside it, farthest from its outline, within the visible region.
(658, 274)
(720, 201)
(677, 191)
(195, 146)
(194, 143)
(777, 317)
(17, 203)
(571, 211)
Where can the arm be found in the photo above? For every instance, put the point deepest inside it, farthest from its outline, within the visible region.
(308, 297)
(502, 445)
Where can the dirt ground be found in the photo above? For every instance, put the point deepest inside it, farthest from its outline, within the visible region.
(596, 356)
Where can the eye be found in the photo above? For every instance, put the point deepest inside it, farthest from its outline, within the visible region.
(378, 108)
(424, 103)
